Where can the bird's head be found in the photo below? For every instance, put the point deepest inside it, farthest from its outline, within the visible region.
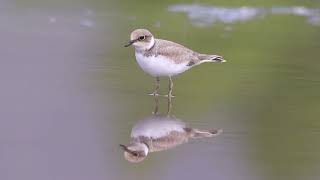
(141, 39)
(135, 152)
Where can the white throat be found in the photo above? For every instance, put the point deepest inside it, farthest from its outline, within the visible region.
(145, 148)
(144, 46)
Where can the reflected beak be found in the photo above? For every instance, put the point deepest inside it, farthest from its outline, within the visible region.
(130, 43)
(123, 147)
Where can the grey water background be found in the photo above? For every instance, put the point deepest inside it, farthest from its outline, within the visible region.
(70, 91)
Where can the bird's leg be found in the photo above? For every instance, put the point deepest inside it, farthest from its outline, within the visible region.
(155, 92)
(170, 96)
(170, 88)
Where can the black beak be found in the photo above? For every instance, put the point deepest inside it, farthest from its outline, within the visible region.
(130, 43)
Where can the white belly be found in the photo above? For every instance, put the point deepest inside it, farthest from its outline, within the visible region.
(160, 65)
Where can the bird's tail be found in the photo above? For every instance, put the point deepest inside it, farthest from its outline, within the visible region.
(211, 58)
(200, 133)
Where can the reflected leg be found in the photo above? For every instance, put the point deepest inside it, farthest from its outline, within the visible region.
(169, 105)
(156, 105)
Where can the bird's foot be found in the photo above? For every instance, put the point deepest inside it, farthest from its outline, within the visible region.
(169, 96)
(154, 94)
(162, 95)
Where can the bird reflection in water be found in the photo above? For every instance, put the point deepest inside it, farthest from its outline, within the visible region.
(160, 132)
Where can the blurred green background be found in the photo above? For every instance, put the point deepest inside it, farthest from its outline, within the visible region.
(71, 92)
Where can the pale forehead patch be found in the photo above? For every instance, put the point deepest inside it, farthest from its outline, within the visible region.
(157, 127)
(140, 32)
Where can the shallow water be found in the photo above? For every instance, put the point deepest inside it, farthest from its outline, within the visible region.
(70, 91)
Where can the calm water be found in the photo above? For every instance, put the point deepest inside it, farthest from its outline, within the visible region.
(70, 91)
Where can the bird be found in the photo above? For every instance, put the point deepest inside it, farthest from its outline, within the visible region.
(163, 58)
(158, 133)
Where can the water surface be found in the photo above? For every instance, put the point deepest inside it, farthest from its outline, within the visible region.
(70, 91)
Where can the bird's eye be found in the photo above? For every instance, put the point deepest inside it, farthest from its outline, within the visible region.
(142, 38)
